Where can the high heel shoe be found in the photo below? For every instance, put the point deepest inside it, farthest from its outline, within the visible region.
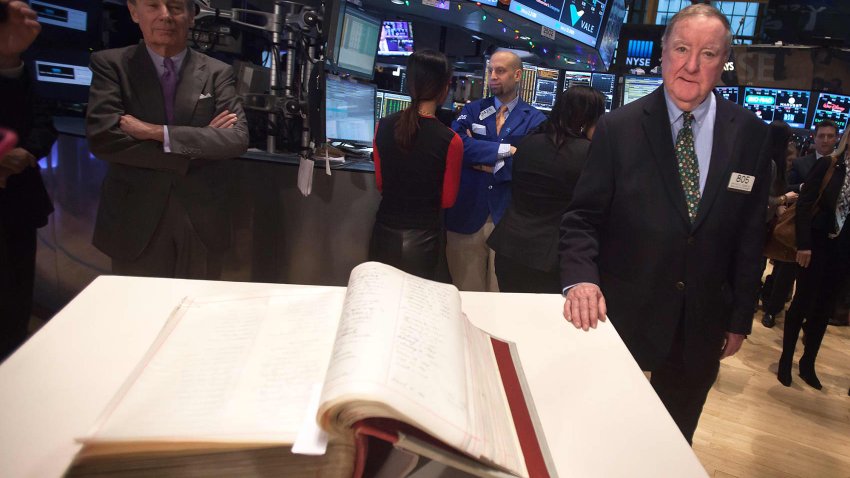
(783, 373)
(811, 378)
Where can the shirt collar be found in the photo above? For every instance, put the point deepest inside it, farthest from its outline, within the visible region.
(511, 105)
(700, 112)
(158, 60)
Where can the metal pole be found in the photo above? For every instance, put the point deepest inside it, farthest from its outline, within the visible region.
(271, 139)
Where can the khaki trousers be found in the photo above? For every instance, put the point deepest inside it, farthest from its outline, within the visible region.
(471, 261)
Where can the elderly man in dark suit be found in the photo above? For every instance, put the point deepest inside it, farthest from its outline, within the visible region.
(24, 203)
(163, 116)
(666, 228)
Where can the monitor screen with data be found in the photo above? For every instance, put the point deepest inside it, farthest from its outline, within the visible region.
(835, 108)
(349, 111)
(605, 83)
(636, 87)
(728, 92)
(545, 88)
(769, 104)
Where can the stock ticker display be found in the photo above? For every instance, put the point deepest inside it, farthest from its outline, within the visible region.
(578, 19)
(770, 104)
(832, 107)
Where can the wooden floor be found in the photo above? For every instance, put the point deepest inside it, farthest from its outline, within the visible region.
(752, 426)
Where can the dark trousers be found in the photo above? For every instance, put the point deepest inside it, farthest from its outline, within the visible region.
(818, 287)
(175, 250)
(784, 274)
(17, 275)
(683, 387)
(415, 251)
(514, 276)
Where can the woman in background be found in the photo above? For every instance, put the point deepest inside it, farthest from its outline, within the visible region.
(547, 166)
(780, 198)
(417, 170)
(823, 254)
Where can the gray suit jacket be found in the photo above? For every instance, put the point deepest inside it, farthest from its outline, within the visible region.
(141, 176)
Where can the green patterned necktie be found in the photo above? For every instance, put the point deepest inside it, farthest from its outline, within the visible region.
(688, 166)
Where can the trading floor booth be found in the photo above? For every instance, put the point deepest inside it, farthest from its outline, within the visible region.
(315, 77)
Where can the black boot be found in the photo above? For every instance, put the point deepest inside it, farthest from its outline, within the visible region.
(790, 333)
(769, 320)
(783, 373)
(807, 373)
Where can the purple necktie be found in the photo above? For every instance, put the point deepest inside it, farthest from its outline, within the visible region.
(169, 88)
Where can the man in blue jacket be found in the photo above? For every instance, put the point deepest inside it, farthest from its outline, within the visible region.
(491, 128)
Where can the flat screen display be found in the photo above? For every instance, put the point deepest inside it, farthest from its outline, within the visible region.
(358, 43)
(728, 92)
(349, 111)
(60, 16)
(769, 104)
(605, 83)
(580, 20)
(396, 39)
(572, 78)
(636, 87)
(545, 89)
(393, 103)
(611, 32)
(61, 74)
(835, 108)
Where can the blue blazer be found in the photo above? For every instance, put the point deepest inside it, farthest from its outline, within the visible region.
(482, 194)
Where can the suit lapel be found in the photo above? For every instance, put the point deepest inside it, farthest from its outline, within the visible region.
(193, 77)
(656, 128)
(143, 77)
(721, 158)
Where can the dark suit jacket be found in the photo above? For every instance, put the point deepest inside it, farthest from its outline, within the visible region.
(824, 219)
(141, 176)
(24, 202)
(627, 230)
(543, 181)
(482, 193)
(800, 169)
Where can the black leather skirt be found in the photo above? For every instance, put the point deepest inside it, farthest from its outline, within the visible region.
(415, 251)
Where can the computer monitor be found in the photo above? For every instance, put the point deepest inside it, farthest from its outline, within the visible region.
(545, 88)
(572, 78)
(835, 108)
(61, 74)
(769, 104)
(636, 87)
(396, 39)
(581, 20)
(353, 40)
(393, 103)
(606, 84)
(349, 111)
(728, 92)
(69, 23)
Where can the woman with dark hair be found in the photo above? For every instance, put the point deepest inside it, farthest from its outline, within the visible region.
(779, 135)
(417, 170)
(823, 254)
(547, 166)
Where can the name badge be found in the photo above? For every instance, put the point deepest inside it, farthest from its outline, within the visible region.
(742, 183)
(486, 113)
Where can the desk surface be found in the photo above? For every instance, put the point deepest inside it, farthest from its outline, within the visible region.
(600, 415)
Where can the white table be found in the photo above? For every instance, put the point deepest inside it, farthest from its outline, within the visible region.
(600, 416)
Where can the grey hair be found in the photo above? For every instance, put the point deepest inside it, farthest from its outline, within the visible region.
(704, 10)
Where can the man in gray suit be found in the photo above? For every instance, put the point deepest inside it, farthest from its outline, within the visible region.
(164, 116)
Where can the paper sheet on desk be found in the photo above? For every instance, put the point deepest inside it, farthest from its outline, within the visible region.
(305, 176)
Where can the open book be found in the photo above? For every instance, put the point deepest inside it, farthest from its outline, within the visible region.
(313, 381)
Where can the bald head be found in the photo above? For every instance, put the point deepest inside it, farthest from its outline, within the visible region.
(505, 73)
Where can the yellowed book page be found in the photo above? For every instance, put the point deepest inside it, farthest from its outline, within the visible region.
(229, 369)
(401, 340)
(402, 344)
